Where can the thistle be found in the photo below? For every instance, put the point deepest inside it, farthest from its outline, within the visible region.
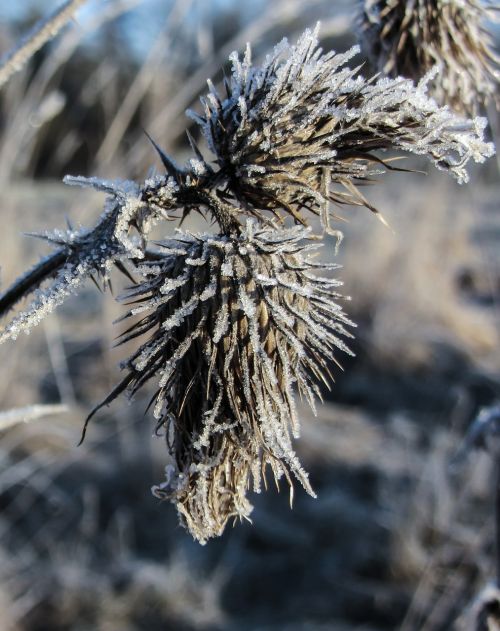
(304, 130)
(291, 137)
(233, 323)
(229, 325)
(410, 37)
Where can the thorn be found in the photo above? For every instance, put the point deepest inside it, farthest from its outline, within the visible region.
(121, 268)
(227, 85)
(150, 403)
(197, 151)
(185, 213)
(53, 240)
(117, 390)
(93, 279)
(170, 166)
(381, 218)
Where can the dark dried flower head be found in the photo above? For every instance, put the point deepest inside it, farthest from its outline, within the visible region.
(409, 37)
(304, 129)
(233, 325)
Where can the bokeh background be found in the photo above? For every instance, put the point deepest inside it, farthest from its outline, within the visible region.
(402, 533)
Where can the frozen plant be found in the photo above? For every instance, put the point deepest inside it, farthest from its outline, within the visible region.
(410, 37)
(233, 323)
(228, 325)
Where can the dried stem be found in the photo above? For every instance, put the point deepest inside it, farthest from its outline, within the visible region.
(32, 280)
(9, 418)
(497, 521)
(43, 31)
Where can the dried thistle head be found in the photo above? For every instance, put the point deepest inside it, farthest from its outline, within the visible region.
(409, 37)
(232, 325)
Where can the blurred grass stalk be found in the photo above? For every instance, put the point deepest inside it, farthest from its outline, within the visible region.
(18, 139)
(9, 418)
(43, 31)
(167, 123)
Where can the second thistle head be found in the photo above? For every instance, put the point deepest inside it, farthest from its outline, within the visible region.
(409, 37)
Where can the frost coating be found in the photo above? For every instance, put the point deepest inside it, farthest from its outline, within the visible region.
(79, 254)
(304, 129)
(293, 135)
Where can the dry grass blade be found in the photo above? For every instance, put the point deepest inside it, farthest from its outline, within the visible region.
(153, 64)
(42, 32)
(9, 418)
(18, 136)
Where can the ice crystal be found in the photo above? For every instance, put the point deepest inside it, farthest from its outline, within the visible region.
(232, 325)
(81, 254)
(129, 209)
(409, 37)
(78, 256)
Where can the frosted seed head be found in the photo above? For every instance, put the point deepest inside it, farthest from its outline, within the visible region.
(226, 352)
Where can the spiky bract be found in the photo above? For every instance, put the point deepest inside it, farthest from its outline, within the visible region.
(233, 324)
(409, 37)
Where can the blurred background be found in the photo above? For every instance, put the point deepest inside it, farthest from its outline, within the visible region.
(402, 533)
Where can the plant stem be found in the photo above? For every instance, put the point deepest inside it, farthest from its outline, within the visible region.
(43, 31)
(497, 520)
